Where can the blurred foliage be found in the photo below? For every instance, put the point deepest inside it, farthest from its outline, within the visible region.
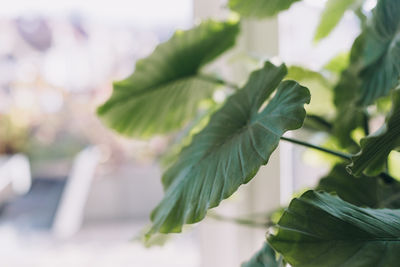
(13, 137)
(333, 13)
(338, 63)
(259, 8)
(320, 89)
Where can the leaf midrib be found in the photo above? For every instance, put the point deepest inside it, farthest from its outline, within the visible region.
(236, 134)
(215, 147)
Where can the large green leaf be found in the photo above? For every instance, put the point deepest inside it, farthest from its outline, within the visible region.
(375, 148)
(319, 229)
(259, 8)
(165, 89)
(382, 52)
(265, 257)
(228, 152)
(333, 13)
(363, 191)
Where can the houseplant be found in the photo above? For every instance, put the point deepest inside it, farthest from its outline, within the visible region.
(351, 218)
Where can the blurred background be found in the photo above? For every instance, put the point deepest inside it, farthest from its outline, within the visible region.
(72, 192)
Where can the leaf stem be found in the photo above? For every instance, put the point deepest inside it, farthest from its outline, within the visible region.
(213, 79)
(326, 150)
(386, 177)
(241, 221)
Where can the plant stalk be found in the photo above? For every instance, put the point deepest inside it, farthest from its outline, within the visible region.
(387, 178)
(326, 150)
(244, 222)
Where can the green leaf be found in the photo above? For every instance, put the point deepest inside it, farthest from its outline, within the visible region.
(381, 53)
(228, 152)
(319, 229)
(375, 148)
(259, 8)
(184, 137)
(165, 89)
(332, 14)
(346, 122)
(266, 257)
(364, 191)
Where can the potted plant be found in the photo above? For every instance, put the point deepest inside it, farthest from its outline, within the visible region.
(351, 218)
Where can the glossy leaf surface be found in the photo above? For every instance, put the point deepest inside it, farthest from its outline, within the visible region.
(319, 229)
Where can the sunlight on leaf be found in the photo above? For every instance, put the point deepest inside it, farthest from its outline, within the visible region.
(165, 89)
(394, 163)
(338, 63)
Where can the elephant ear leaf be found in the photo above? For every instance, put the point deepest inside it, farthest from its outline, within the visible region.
(165, 89)
(265, 257)
(381, 53)
(239, 138)
(319, 229)
(375, 148)
(259, 8)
